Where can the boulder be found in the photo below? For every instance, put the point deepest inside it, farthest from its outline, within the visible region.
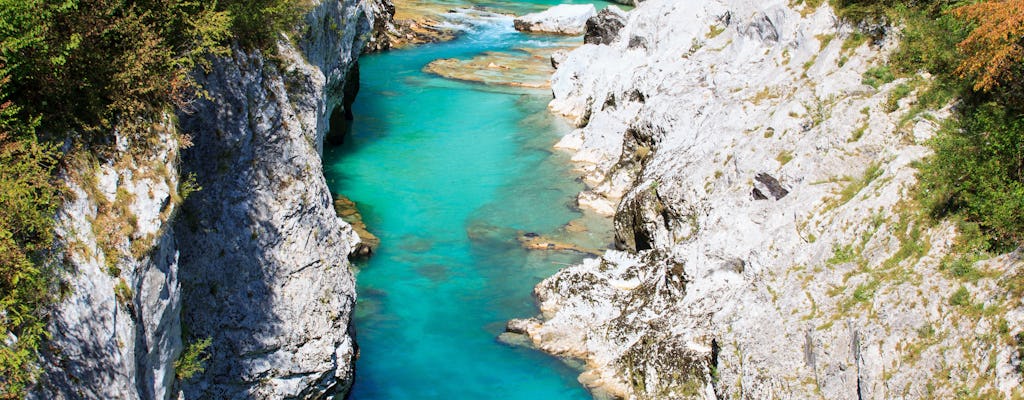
(603, 28)
(563, 19)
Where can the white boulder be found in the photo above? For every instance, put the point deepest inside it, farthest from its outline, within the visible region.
(564, 19)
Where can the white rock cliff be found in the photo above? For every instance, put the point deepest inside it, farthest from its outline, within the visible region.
(255, 260)
(769, 245)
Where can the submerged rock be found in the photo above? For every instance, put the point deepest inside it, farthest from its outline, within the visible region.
(526, 67)
(349, 212)
(564, 19)
(533, 241)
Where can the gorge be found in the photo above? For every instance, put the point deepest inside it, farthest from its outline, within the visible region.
(679, 199)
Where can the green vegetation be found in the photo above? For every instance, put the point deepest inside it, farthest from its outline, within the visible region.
(974, 52)
(72, 72)
(192, 360)
(878, 76)
(961, 297)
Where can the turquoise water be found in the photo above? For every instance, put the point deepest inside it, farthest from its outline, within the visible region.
(448, 174)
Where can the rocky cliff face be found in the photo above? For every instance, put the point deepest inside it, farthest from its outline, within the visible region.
(768, 243)
(263, 255)
(255, 260)
(117, 332)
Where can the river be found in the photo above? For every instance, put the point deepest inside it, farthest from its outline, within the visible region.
(448, 174)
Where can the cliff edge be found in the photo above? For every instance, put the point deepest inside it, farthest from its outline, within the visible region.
(768, 243)
(220, 228)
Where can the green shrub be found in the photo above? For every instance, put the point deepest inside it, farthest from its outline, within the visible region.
(892, 103)
(192, 360)
(29, 195)
(978, 171)
(961, 297)
(878, 76)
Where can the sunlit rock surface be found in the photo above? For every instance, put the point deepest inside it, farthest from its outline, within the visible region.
(769, 244)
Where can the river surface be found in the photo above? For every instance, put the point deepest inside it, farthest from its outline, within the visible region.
(448, 174)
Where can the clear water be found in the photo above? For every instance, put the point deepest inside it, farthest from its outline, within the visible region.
(447, 174)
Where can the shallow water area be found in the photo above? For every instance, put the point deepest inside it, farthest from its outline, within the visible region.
(449, 174)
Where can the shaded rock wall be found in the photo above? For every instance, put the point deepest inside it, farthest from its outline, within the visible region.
(263, 256)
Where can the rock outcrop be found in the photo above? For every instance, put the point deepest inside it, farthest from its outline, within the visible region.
(265, 273)
(563, 19)
(404, 23)
(384, 27)
(117, 330)
(255, 257)
(604, 27)
(768, 243)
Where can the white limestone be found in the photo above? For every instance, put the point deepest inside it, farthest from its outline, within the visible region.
(717, 294)
(565, 19)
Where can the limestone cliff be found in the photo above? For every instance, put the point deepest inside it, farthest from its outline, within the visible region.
(254, 258)
(263, 255)
(768, 243)
(117, 331)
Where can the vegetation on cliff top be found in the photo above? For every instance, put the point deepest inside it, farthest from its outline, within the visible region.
(73, 72)
(974, 50)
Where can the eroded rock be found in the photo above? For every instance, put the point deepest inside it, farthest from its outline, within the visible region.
(564, 19)
(349, 212)
(604, 27)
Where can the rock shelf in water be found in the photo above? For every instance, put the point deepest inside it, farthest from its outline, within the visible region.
(528, 67)
(533, 241)
(349, 212)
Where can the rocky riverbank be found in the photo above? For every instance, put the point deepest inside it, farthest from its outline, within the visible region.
(769, 245)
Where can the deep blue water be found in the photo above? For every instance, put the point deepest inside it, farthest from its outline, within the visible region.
(447, 173)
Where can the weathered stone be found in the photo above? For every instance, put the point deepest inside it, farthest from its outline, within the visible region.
(117, 332)
(713, 295)
(604, 27)
(565, 19)
(265, 274)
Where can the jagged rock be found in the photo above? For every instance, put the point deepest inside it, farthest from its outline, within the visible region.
(604, 27)
(767, 183)
(557, 57)
(712, 295)
(383, 26)
(565, 19)
(265, 274)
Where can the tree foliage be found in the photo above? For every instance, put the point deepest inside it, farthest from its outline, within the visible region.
(73, 72)
(975, 51)
(995, 46)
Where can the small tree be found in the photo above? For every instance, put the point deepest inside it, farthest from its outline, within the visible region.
(994, 46)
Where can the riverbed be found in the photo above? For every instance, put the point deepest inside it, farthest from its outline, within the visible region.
(449, 174)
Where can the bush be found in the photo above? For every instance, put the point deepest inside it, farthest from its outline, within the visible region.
(961, 297)
(192, 360)
(974, 53)
(878, 76)
(29, 196)
(978, 171)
